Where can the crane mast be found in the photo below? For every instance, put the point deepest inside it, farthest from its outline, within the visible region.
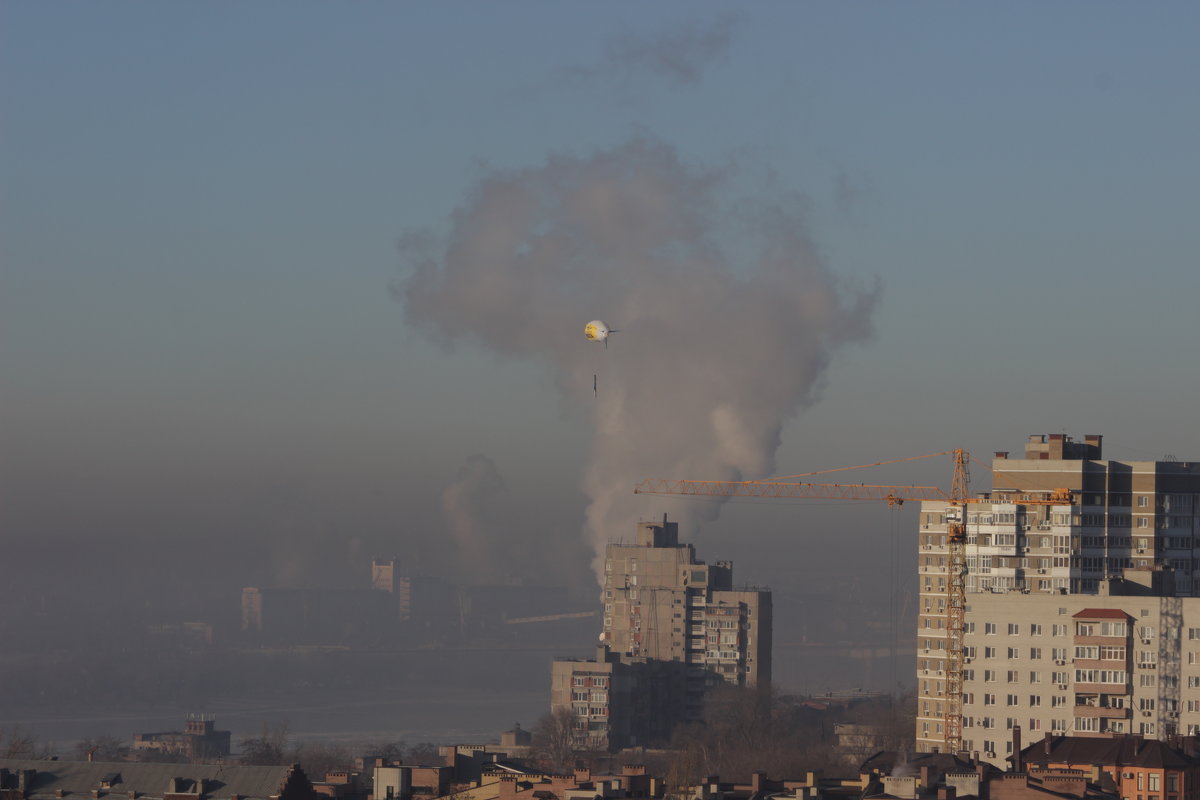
(956, 500)
(956, 603)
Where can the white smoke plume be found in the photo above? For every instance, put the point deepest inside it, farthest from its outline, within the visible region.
(468, 504)
(680, 55)
(714, 353)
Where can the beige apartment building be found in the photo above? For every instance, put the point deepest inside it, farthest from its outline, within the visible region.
(661, 603)
(673, 627)
(1077, 613)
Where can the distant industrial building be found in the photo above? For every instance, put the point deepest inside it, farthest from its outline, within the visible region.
(1081, 613)
(198, 741)
(395, 607)
(673, 627)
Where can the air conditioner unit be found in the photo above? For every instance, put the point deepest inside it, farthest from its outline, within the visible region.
(1026, 550)
(989, 754)
(1062, 686)
(1146, 714)
(1041, 572)
(1146, 641)
(1060, 662)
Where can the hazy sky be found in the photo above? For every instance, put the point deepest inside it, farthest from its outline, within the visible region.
(203, 205)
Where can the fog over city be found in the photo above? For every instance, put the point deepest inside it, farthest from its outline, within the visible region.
(299, 421)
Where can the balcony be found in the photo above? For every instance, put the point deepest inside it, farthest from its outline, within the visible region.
(1103, 712)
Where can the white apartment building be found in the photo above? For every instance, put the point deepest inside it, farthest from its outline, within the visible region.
(1126, 544)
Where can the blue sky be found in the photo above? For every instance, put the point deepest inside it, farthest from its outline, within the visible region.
(200, 206)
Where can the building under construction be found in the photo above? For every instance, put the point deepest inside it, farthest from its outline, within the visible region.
(1064, 600)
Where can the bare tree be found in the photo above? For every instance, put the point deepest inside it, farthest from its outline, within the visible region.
(21, 742)
(423, 753)
(269, 748)
(321, 758)
(555, 740)
(102, 748)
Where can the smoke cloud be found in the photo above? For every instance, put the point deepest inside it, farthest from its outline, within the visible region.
(715, 352)
(680, 55)
(468, 503)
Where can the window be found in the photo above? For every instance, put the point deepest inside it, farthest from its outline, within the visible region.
(1035, 677)
(1013, 700)
(1143, 501)
(1013, 629)
(989, 652)
(1035, 652)
(1035, 629)
(989, 675)
(1013, 676)
(1087, 724)
(989, 699)
(1035, 700)
(1100, 676)
(1014, 653)
(1058, 630)
(989, 628)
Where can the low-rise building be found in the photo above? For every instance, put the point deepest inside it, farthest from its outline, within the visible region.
(27, 779)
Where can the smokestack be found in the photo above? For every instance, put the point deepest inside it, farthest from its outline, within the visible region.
(1048, 742)
(1016, 741)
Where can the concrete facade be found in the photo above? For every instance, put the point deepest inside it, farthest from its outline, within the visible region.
(661, 603)
(1128, 543)
(673, 627)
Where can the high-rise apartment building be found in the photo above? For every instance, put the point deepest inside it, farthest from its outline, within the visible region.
(1076, 611)
(661, 603)
(673, 627)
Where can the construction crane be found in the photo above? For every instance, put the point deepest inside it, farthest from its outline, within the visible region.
(956, 539)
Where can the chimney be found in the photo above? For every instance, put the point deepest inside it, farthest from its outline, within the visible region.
(1048, 742)
(1016, 757)
(756, 781)
(924, 775)
(1001, 455)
